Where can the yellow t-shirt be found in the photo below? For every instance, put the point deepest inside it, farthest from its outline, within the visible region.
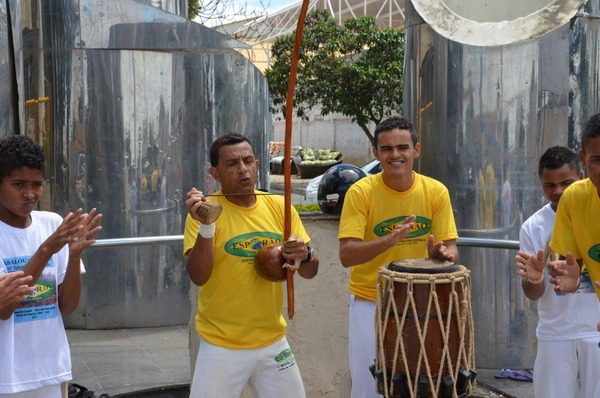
(237, 308)
(372, 209)
(577, 226)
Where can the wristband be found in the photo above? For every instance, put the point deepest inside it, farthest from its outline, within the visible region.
(207, 231)
(309, 256)
(536, 282)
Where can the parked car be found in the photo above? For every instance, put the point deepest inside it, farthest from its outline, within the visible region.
(312, 188)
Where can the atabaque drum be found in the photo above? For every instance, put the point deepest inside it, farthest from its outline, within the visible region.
(425, 342)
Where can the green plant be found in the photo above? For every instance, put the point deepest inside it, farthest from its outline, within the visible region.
(318, 157)
(307, 208)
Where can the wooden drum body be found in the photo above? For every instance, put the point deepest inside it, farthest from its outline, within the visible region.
(425, 342)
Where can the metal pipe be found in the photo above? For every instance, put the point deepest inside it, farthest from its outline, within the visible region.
(137, 241)
(149, 240)
(488, 243)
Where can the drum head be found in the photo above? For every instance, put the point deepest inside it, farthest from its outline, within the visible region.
(423, 266)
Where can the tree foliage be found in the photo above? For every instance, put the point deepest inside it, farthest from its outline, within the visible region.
(193, 8)
(354, 69)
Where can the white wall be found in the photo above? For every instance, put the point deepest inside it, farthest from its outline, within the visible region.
(330, 132)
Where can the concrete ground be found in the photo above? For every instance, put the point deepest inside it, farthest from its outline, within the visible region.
(132, 362)
(126, 360)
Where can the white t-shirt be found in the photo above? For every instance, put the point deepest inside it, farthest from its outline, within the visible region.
(563, 316)
(34, 351)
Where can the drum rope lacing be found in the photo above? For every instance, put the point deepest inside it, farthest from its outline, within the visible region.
(460, 287)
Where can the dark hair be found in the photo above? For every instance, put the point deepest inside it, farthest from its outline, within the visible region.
(556, 157)
(18, 151)
(591, 130)
(395, 122)
(224, 140)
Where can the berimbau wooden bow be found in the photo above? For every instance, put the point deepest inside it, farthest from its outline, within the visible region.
(287, 148)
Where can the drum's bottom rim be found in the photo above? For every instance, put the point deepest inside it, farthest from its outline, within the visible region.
(463, 384)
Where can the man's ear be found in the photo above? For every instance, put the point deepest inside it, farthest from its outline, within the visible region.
(375, 152)
(214, 172)
(418, 149)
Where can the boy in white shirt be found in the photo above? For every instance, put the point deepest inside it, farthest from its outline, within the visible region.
(34, 352)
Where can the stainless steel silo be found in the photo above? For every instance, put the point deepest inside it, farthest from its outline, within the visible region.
(490, 86)
(126, 99)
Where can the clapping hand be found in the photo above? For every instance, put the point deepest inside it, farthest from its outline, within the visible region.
(565, 274)
(14, 288)
(531, 268)
(83, 237)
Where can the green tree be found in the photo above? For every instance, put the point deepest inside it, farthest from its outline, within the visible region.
(354, 69)
(193, 8)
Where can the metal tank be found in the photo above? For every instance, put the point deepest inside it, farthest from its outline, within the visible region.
(490, 86)
(126, 99)
(8, 93)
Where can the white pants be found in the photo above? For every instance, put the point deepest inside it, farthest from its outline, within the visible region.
(270, 372)
(53, 391)
(362, 348)
(567, 369)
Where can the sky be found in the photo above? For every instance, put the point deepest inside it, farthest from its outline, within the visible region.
(270, 5)
(251, 7)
